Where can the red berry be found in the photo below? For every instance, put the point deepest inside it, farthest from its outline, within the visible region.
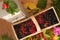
(37, 36)
(5, 6)
(32, 30)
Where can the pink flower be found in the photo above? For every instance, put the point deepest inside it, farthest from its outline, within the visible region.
(56, 30)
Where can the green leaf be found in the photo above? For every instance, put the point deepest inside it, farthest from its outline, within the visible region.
(10, 10)
(42, 4)
(49, 32)
(5, 1)
(5, 37)
(56, 4)
(47, 36)
(36, 11)
(59, 37)
(12, 4)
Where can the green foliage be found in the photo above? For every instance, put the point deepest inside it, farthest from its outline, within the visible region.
(5, 37)
(56, 4)
(35, 11)
(59, 37)
(47, 37)
(12, 6)
(42, 4)
(6, 1)
(48, 34)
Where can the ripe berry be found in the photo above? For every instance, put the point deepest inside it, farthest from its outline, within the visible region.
(5, 6)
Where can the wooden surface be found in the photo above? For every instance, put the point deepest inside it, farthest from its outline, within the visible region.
(6, 28)
(0, 0)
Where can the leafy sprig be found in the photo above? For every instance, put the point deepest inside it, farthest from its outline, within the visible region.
(5, 37)
(11, 6)
(41, 4)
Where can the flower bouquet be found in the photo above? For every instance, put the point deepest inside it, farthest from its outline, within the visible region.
(53, 33)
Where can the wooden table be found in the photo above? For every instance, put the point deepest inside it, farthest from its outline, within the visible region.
(6, 28)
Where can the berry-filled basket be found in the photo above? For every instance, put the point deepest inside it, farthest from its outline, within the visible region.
(44, 20)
